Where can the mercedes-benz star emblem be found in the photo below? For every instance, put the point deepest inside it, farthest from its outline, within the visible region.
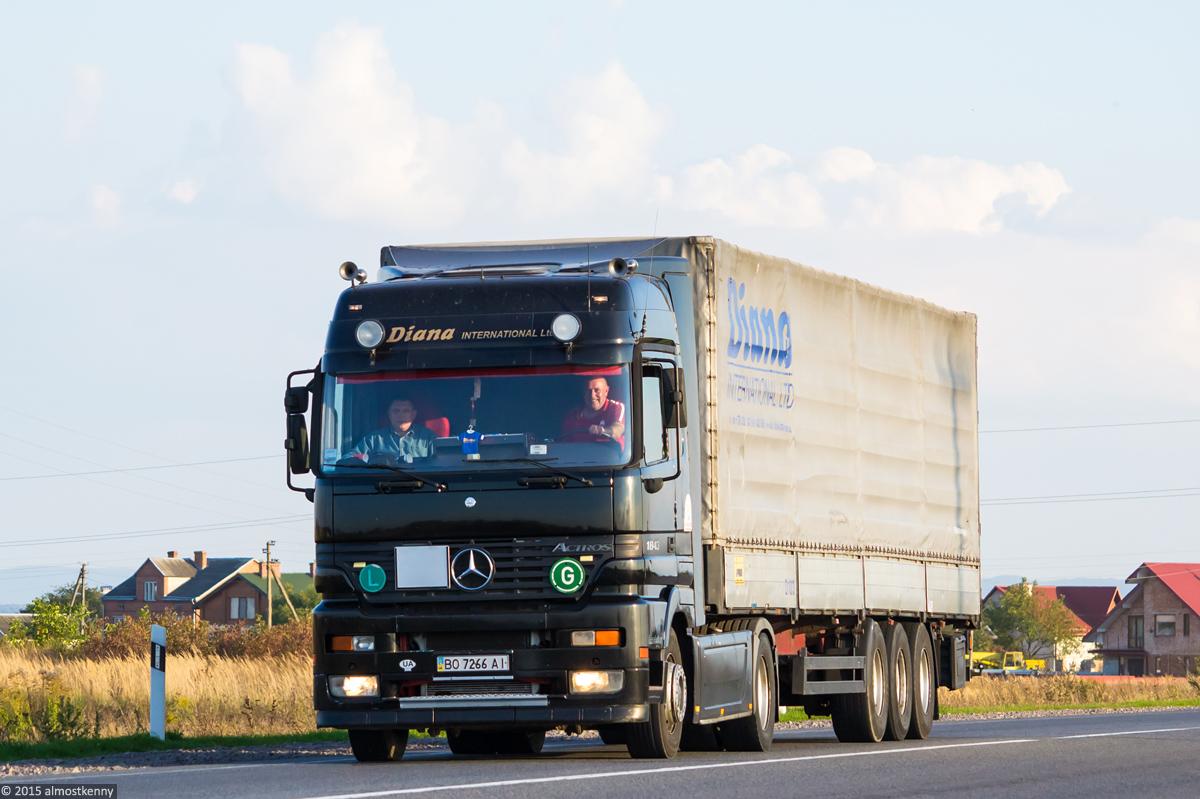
(472, 569)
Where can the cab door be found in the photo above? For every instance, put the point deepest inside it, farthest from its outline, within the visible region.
(659, 457)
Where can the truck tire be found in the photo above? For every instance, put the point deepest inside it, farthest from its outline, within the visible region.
(862, 718)
(924, 692)
(518, 742)
(899, 682)
(470, 742)
(659, 736)
(375, 746)
(754, 733)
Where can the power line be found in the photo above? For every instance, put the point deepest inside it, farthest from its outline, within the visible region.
(138, 468)
(994, 503)
(206, 528)
(1147, 491)
(1089, 426)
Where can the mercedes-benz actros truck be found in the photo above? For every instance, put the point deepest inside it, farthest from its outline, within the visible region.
(651, 487)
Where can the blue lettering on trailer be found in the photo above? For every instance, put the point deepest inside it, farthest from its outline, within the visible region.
(757, 335)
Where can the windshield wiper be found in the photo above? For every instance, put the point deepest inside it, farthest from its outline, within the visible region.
(410, 475)
(543, 464)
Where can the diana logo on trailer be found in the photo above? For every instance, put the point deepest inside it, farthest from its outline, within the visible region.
(757, 335)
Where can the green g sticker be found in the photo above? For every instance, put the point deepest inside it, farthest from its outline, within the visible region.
(567, 576)
(372, 578)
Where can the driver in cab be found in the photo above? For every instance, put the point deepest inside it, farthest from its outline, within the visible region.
(400, 441)
(599, 420)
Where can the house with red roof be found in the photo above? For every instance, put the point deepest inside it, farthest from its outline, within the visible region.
(1090, 604)
(1150, 632)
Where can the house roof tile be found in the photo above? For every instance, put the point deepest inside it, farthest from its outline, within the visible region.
(174, 567)
(1182, 578)
(206, 580)
(1090, 603)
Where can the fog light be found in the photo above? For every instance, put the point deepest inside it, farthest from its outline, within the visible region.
(566, 327)
(352, 686)
(369, 334)
(597, 682)
(363, 643)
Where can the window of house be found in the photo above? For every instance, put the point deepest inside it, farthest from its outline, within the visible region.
(1137, 632)
(118, 619)
(1164, 626)
(1187, 624)
(149, 591)
(241, 607)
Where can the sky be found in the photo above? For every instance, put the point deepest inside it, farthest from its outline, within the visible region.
(179, 184)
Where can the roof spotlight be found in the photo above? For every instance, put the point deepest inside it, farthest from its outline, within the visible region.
(565, 327)
(369, 334)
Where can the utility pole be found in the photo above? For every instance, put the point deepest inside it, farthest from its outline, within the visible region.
(270, 571)
(80, 591)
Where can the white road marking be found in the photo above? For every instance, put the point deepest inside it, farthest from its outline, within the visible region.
(604, 775)
(1127, 732)
(143, 770)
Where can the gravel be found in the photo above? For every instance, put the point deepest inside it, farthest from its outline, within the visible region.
(271, 752)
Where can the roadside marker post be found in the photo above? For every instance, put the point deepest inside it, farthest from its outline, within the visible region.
(158, 681)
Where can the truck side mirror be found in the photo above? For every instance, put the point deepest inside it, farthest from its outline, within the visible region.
(295, 399)
(296, 443)
(674, 407)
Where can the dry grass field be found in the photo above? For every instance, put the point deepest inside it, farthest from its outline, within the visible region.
(986, 692)
(44, 697)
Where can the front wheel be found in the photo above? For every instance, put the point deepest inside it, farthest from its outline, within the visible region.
(374, 746)
(659, 736)
(754, 733)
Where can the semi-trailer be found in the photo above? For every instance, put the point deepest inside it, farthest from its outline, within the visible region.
(653, 487)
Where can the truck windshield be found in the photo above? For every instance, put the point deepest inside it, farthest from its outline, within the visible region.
(477, 419)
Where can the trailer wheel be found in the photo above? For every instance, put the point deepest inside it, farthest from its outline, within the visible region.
(470, 742)
(518, 742)
(924, 679)
(862, 718)
(659, 737)
(374, 746)
(754, 733)
(899, 682)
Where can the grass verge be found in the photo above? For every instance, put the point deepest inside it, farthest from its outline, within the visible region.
(90, 747)
(965, 710)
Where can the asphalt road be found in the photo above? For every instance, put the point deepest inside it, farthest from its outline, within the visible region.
(1119, 755)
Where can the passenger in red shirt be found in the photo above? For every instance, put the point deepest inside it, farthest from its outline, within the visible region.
(600, 419)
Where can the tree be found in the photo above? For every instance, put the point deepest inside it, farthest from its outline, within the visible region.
(53, 625)
(62, 596)
(1032, 622)
(304, 602)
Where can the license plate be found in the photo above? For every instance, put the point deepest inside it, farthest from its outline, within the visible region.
(448, 663)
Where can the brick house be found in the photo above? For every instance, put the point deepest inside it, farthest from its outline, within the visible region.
(1150, 632)
(216, 590)
(1090, 604)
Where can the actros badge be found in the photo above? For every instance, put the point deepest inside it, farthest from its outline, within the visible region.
(472, 569)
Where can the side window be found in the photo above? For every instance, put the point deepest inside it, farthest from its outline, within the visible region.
(654, 434)
(149, 591)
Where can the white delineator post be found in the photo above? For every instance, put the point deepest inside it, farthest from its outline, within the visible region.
(158, 681)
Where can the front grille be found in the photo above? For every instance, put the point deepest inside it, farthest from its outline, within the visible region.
(494, 688)
(522, 568)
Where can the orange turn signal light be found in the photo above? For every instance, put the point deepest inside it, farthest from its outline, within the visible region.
(341, 643)
(608, 637)
(644, 652)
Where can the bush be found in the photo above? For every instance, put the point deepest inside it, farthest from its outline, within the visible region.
(131, 638)
(53, 626)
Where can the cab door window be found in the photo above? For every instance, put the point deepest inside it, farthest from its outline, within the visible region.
(654, 433)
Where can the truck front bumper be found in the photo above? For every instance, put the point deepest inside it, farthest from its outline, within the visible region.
(535, 692)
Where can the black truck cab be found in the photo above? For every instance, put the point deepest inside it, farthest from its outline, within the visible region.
(517, 565)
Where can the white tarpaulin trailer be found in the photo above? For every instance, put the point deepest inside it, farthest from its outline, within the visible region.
(838, 445)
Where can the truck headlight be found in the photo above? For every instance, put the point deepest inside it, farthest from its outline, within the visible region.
(597, 682)
(369, 334)
(363, 643)
(353, 686)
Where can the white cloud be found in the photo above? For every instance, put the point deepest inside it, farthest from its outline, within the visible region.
(610, 129)
(106, 207)
(349, 141)
(756, 189)
(87, 88)
(185, 191)
(1177, 229)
